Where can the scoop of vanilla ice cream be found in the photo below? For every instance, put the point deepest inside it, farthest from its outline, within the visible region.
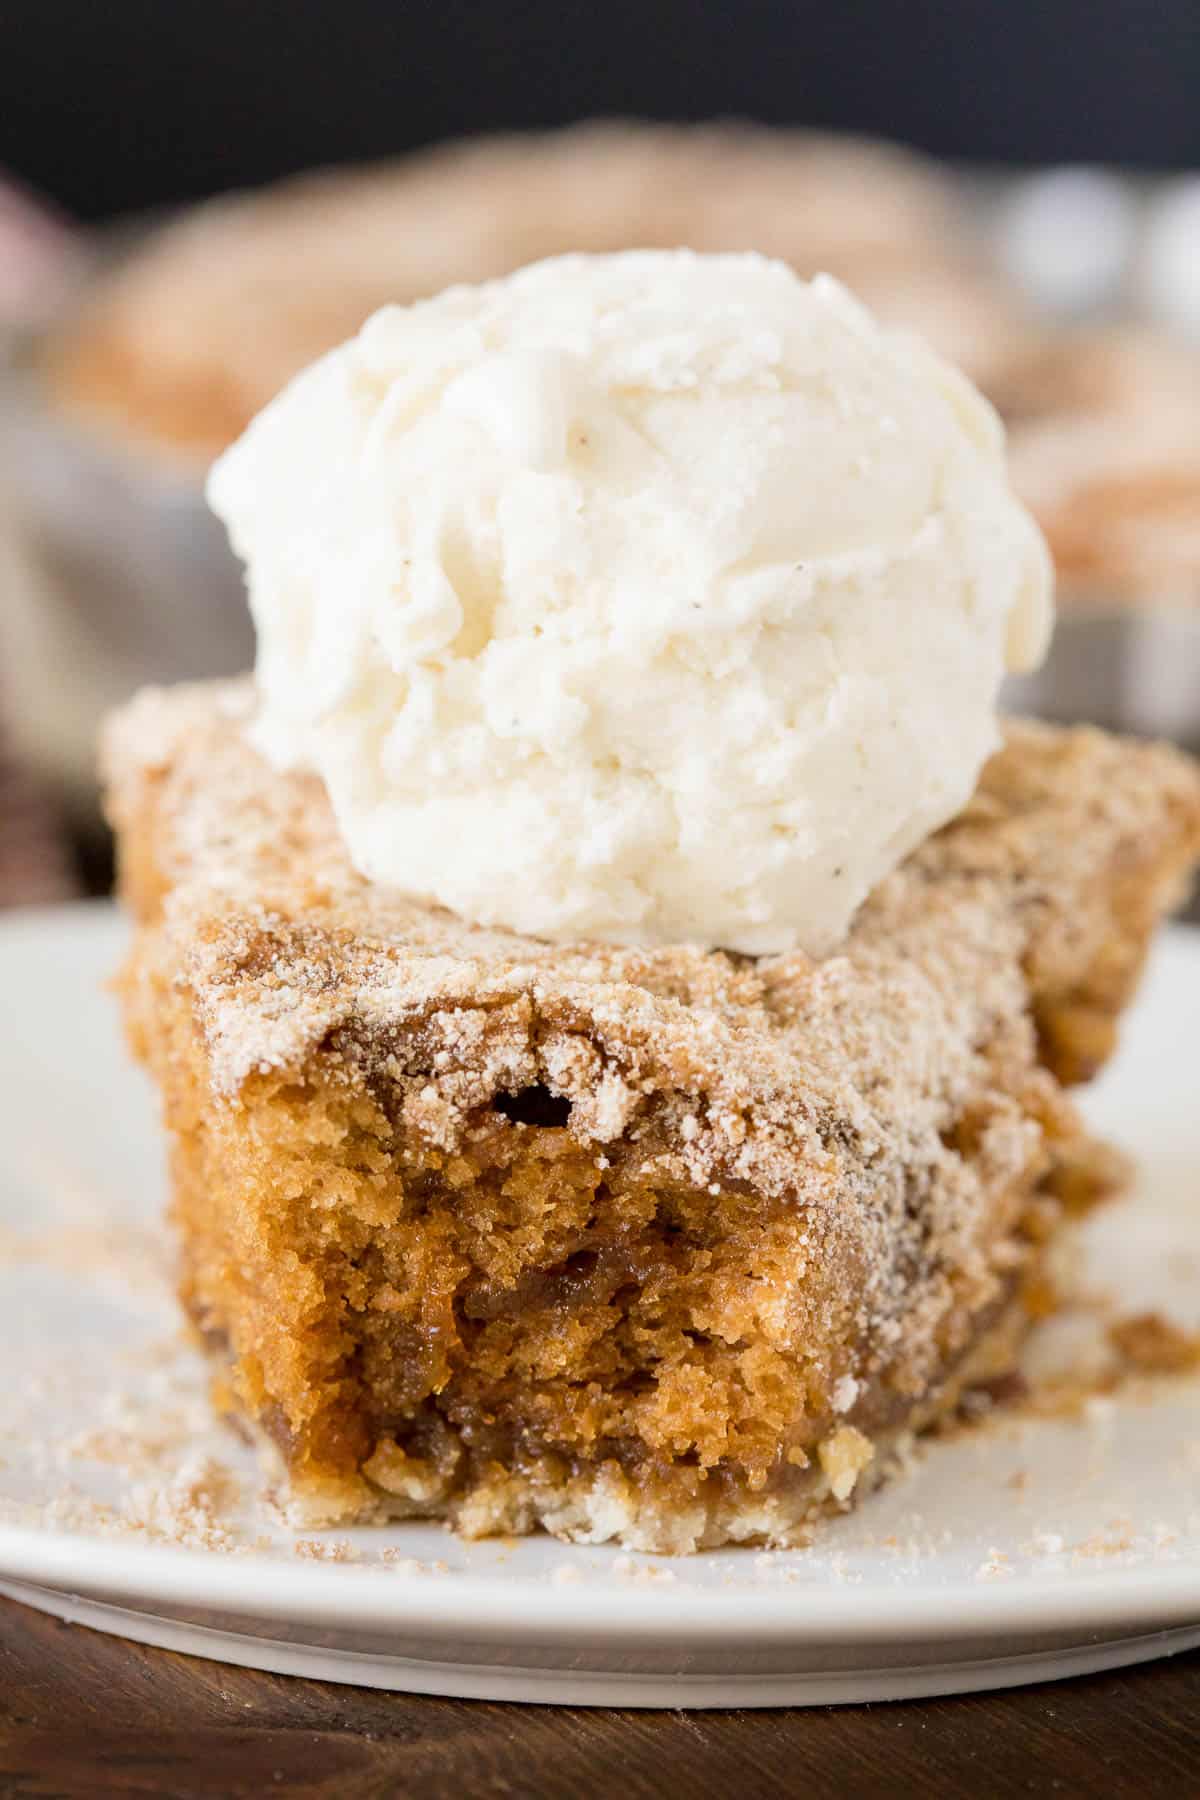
(647, 598)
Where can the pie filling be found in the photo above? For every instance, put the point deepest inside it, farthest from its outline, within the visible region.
(522, 1331)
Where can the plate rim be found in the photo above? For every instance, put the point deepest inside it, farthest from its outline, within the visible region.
(489, 1605)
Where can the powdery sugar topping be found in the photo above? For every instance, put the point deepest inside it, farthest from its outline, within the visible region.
(294, 944)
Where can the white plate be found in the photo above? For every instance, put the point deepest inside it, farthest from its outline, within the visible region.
(1022, 1552)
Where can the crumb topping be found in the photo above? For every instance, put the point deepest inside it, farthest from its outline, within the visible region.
(297, 950)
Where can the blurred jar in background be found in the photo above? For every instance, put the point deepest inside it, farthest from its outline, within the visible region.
(38, 259)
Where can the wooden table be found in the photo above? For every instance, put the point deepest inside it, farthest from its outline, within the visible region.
(82, 1714)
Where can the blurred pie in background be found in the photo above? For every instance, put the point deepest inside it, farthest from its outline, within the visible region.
(186, 339)
(178, 344)
(172, 342)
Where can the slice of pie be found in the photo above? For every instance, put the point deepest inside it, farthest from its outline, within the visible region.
(660, 1246)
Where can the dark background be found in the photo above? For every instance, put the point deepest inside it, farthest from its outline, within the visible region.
(118, 104)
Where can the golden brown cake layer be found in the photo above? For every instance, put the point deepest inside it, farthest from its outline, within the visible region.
(660, 1245)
